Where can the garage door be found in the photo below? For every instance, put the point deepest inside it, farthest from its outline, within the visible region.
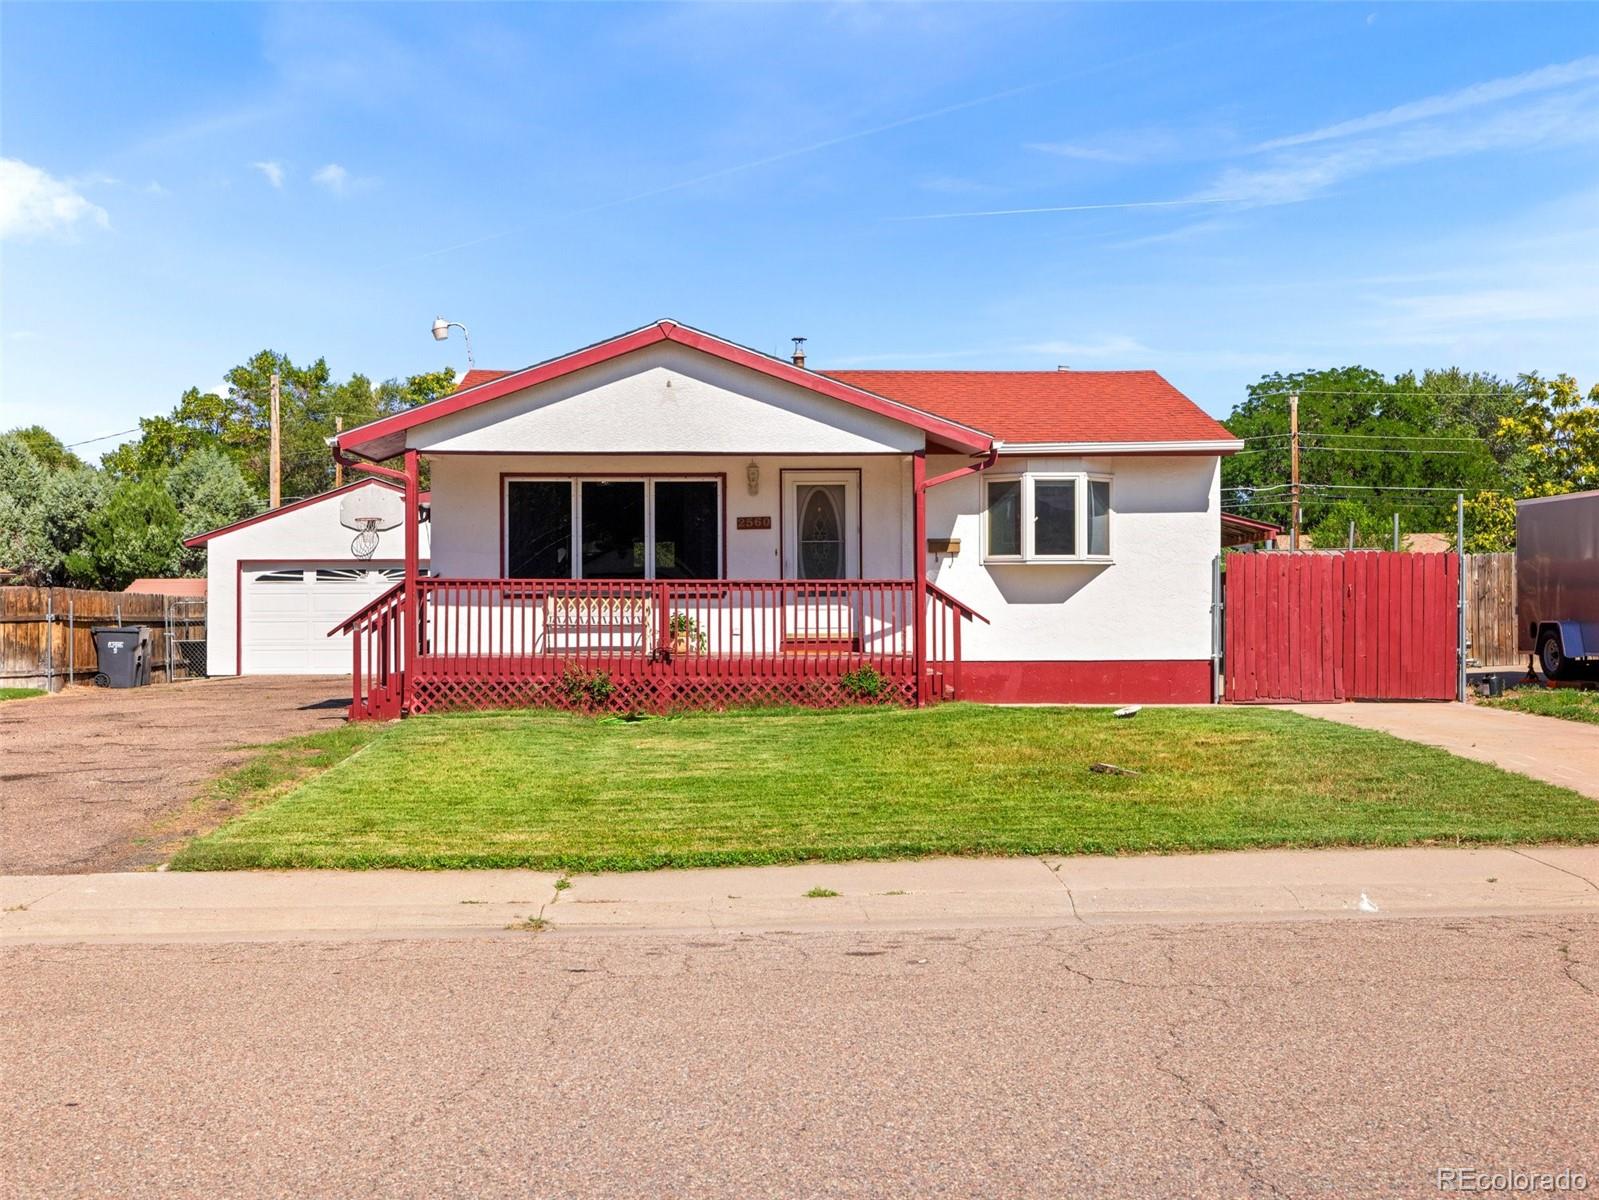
(288, 611)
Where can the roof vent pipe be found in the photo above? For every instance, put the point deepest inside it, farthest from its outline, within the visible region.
(799, 352)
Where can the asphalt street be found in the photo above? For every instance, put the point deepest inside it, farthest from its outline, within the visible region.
(1332, 1058)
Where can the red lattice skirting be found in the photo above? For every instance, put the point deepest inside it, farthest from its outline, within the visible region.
(638, 685)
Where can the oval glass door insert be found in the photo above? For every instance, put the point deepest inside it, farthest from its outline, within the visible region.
(821, 531)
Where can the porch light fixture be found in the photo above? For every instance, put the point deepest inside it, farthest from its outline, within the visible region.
(441, 332)
(752, 475)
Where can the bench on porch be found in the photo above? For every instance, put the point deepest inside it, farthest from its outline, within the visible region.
(578, 621)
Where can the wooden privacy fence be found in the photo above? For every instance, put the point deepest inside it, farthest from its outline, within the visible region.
(1349, 625)
(47, 634)
(1491, 633)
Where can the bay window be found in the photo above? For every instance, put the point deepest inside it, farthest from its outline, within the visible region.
(613, 528)
(1048, 517)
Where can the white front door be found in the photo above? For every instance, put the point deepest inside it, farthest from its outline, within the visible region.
(822, 525)
(287, 611)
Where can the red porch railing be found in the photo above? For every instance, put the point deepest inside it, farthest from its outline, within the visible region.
(631, 645)
(945, 617)
(378, 672)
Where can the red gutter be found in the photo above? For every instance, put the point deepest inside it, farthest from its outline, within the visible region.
(342, 457)
(961, 472)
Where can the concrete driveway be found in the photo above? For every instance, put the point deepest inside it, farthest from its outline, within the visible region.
(84, 773)
(1559, 752)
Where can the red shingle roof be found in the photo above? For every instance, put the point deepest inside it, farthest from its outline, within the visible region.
(1032, 407)
(476, 376)
(1050, 406)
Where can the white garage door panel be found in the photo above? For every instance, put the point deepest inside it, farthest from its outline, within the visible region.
(289, 610)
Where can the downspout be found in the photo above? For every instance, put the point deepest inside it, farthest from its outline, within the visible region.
(919, 534)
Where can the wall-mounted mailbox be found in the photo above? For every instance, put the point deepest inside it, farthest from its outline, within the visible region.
(943, 545)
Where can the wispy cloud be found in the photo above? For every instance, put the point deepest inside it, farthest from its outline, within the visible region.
(1126, 146)
(955, 185)
(273, 172)
(1493, 91)
(1566, 118)
(34, 203)
(1085, 153)
(333, 177)
(1066, 208)
(1551, 106)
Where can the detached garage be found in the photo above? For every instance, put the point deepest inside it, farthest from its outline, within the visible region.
(277, 582)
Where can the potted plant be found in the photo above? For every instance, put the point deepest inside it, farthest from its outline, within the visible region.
(687, 636)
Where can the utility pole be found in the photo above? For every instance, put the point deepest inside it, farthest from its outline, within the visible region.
(1293, 451)
(338, 467)
(275, 466)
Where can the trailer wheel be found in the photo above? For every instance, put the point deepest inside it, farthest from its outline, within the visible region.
(1551, 657)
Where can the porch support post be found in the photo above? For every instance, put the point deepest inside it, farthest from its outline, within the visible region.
(919, 568)
(411, 621)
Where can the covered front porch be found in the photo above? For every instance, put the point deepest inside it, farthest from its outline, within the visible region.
(653, 645)
(662, 521)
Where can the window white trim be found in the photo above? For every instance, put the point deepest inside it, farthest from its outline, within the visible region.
(1029, 552)
(575, 533)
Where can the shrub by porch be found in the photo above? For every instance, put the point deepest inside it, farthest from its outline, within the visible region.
(550, 790)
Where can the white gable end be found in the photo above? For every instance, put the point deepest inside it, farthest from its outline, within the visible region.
(666, 398)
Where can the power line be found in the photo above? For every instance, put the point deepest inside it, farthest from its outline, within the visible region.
(1399, 437)
(102, 438)
(1367, 437)
(1394, 393)
(1358, 487)
(1380, 450)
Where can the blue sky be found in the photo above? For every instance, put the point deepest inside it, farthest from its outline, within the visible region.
(1214, 192)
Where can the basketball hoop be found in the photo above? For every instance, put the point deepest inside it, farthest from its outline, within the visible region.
(369, 510)
(365, 544)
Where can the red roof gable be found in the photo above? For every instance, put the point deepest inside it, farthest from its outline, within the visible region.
(385, 437)
(1031, 407)
(1051, 407)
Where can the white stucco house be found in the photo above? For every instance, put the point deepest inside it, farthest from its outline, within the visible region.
(666, 517)
(276, 582)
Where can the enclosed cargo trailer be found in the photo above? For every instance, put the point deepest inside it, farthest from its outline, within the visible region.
(1557, 581)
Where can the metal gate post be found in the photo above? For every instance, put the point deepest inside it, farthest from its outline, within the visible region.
(1217, 665)
(1460, 606)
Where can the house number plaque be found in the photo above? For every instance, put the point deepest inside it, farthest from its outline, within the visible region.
(755, 522)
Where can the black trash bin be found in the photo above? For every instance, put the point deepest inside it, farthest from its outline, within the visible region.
(123, 656)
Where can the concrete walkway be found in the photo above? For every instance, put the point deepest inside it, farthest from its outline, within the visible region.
(930, 893)
(1547, 748)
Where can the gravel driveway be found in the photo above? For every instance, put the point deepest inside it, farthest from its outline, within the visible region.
(84, 772)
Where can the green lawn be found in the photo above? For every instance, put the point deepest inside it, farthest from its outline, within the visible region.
(556, 791)
(9, 693)
(1566, 703)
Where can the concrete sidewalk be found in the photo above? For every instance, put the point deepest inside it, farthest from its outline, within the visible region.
(1547, 748)
(931, 893)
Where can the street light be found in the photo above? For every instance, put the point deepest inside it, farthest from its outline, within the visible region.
(441, 332)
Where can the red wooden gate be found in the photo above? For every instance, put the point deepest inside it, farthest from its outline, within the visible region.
(1353, 625)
